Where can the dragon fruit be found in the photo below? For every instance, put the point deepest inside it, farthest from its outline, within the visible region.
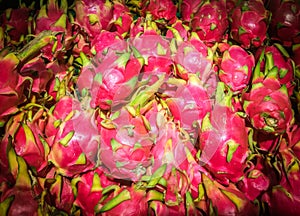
(224, 148)
(276, 56)
(72, 151)
(267, 103)
(15, 23)
(53, 17)
(88, 189)
(56, 190)
(236, 68)
(125, 150)
(124, 201)
(18, 198)
(255, 182)
(188, 8)
(249, 23)
(122, 18)
(93, 16)
(160, 10)
(227, 200)
(12, 85)
(285, 22)
(210, 21)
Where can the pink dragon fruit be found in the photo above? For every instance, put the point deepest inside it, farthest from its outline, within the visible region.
(194, 57)
(178, 29)
(122, 18)
(189, 105)
(53, 17)
(285, 193)
(236, 68)
(38, 71)
(109, 83)
(89, 188)
(29, 142)
(124, 201)
(210, 21)
(223, 142)
(249, 23)
(11, 86)
(277, 56)
(126, 149)
(56, 191)
(285, 21)
(15, 23)
(189, 8)
(255, 182)
(19, 197)
(72, 150)
(227, 200)
(93, 16)
(160, 10)
(156, 52)
(267, 104)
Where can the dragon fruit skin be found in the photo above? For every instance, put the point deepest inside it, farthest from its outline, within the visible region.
(236, 68)
(279, 58)
(15, 23)
(285, 193)
(224, 146)
(249, 23)
(268, 106)
(88, 189)
(12, 86)
(188, 9)
(17, 197)
(132, 201)
(72, 150)
(122, 18)
(56, 191)
(255, 182)
(53, 17)
(40, 74)
(160, 9)
(227, 200)
(125, 150)
(93, 16)
(285, 22)
(117, 73)
(210, 22)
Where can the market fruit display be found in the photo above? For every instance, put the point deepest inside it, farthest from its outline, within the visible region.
(125, 107)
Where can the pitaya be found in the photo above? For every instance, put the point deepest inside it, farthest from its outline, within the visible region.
(223, 141)
(285, 21)
(19, 197)
(267, 103)
(15, 23)
(72, 150)
(126, 149)
(88, 189)
(93, 16)
(236, 68)
(210, 21)
(122, 18)
(160, 10)
(227, 200)
(249, 23)
(129, 200)
(189, 8)
(11, 86)
(276, 56)
(53, 17)
(56, 191)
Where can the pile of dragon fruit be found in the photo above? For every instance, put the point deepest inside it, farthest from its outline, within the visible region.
(128, 107)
